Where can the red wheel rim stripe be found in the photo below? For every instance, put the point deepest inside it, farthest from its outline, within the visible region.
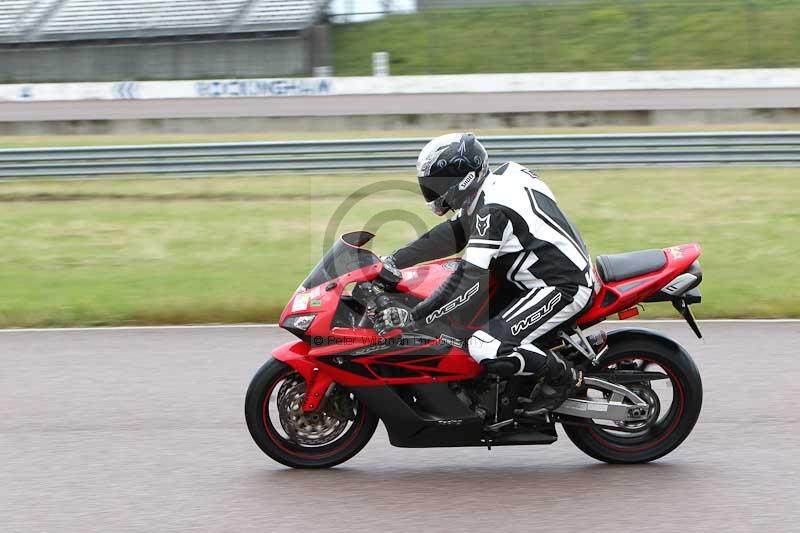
(277, 439)
(667, 433)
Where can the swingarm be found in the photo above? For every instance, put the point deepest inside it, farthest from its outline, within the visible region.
(614, 408)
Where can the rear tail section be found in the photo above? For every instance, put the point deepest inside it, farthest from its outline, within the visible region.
(668, 275)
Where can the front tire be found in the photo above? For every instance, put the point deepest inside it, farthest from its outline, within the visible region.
(268, 425)
(663, 436)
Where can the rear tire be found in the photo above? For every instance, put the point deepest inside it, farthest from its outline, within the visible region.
(660, 439)
(265, 429)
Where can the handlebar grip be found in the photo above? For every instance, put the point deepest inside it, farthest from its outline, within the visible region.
(383, 301)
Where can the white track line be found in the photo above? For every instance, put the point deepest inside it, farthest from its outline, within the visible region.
(228, 326)
(135, 328)
(710, 320)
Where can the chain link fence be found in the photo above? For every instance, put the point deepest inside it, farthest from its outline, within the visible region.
(474, 36)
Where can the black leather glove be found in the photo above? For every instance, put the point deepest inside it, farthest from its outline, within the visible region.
(393, 317)
(389, 276)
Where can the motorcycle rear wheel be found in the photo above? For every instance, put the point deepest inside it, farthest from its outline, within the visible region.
(268, 429)
(604, 444)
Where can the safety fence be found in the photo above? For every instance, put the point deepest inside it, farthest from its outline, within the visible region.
(567, 151)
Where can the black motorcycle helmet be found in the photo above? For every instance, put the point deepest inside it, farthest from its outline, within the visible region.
(450, 169)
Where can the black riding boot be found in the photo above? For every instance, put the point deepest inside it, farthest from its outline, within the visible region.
(556, 378)
(559, 381)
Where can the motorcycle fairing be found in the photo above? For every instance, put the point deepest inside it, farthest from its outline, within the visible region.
(615, 296)
(436, 363)
(390, 362)
(295, 354)
(440, 419)
(360, 358)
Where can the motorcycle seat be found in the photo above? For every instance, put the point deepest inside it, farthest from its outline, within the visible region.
(630, 265)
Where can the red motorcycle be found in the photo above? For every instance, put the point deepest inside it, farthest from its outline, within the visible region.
(317, 402)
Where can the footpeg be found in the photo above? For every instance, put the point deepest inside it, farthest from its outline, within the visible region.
(530, 414)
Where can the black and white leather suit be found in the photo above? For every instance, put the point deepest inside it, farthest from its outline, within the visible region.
(514, 232)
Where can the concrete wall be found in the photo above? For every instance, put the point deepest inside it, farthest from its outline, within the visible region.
(244, 58)
(397, 122)
(423, 5)
(567, 91)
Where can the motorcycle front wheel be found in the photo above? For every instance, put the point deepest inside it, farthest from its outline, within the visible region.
(326, 437)
(675, 404)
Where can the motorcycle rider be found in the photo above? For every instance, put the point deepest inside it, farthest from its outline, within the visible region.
(509, 225)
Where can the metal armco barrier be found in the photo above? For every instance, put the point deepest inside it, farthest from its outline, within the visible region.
(608, 150)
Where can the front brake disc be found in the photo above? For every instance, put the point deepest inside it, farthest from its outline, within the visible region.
(315, 428)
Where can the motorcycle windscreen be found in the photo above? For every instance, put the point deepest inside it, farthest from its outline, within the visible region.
(346, 255)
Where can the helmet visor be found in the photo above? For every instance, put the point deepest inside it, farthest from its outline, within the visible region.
(433, 187)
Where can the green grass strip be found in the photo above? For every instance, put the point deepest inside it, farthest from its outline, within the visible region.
(576, 36)
(232, 250)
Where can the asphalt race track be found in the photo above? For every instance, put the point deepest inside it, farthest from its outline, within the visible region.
(143, 430)
(288, 106)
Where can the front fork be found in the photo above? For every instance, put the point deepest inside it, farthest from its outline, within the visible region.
(317, 387)
(318, 383)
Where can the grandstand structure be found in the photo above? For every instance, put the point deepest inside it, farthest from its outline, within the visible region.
(106, 40)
